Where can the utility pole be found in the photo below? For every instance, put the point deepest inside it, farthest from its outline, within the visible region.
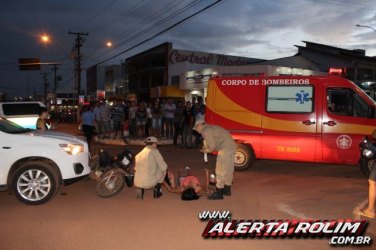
(27, 88)
(79, 40)
(55, 83)
(45, 86)
(35, 93)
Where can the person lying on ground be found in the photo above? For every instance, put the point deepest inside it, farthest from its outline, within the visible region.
(185, 182)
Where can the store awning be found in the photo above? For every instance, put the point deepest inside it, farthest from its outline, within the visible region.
(166, 91)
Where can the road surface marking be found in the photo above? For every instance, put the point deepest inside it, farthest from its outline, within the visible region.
(288, 210)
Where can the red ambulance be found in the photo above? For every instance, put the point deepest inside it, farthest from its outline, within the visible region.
(299, 118)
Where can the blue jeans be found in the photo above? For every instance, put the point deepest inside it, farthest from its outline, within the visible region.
(169, 127)
(187, 135)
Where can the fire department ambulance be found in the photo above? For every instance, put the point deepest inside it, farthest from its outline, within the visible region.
(298, 118)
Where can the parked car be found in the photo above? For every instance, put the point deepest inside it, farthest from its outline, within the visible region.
(35, 163)
(67, 116)
(24, 114)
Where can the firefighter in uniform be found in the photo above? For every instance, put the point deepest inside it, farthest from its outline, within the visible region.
(218, 139)
(150, 168)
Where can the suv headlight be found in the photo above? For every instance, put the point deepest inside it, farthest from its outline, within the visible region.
(72, 149)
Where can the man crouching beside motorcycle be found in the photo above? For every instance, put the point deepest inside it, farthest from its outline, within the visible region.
(150, 168)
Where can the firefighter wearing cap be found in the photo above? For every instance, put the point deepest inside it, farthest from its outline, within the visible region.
(218, 139)
(150, 168)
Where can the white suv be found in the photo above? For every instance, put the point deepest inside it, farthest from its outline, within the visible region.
(33, 163)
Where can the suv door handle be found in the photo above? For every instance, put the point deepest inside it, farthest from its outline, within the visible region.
(330, 123)
(308, 122)
(7, 147)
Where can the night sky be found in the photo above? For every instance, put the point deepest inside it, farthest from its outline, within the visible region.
(265, 29)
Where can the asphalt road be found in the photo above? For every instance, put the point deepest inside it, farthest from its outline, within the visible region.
(76, 218)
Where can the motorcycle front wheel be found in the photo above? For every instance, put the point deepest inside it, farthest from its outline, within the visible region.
(110, 184)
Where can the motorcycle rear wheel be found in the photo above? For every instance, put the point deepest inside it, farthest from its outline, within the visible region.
(366, 166)
(110, 184)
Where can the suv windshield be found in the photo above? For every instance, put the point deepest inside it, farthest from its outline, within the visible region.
(11, 128)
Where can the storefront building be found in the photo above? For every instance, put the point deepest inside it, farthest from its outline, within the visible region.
(314, 59)
(156, 73)
(164, 71)
(95, 82)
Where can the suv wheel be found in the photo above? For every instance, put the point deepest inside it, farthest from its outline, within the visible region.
(34, 183)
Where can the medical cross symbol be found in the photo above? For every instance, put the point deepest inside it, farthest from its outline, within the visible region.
(302, 97)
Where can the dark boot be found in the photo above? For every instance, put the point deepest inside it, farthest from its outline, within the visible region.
(227, 190)
(217, 195)
(158, 190)
(140, 193)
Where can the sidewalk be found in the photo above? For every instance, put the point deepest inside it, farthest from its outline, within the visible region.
(72, 128)
(131, 141)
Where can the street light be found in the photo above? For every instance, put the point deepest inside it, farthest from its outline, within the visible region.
(365, 26)
(45, 38)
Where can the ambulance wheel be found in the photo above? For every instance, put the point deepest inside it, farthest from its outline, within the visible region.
(365, 166)
(244, 157)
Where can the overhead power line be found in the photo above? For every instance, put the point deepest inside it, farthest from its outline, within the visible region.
(124, 15)
(144, 31)
(162, 10)
(161, 32)
(185, 8)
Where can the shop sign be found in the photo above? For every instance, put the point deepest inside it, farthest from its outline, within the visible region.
(179, 56)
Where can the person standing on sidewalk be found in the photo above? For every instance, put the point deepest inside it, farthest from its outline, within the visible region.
(141, 119)
(105, 112)
(156, 122)
(87, 121)
(178, 122)
(162, 103)
(218, 139)
(97, 118)
(118, 116)
(188, 123)
(132, 119)
(169, 109)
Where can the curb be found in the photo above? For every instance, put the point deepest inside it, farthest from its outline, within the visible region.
(137, 142)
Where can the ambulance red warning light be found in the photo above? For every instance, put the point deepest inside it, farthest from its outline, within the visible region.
(337, 71)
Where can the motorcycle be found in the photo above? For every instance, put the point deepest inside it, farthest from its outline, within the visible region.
(367, 155)
(111, 173)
